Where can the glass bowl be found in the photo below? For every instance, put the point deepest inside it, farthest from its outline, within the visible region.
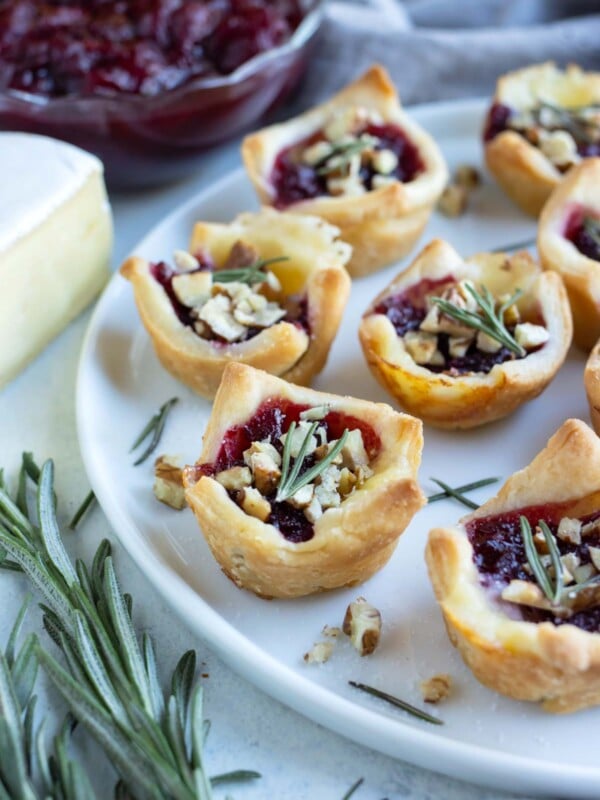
(146, 141)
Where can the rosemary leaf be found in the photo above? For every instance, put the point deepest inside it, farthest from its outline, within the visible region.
(235, 776)
(509, 248)
(10, 649)
(355, 786)
(555, 560)
(395, 701)
(467, 487)
(534, 561)
(155, 427)
(290, 483)
(90, 498)
(253, 273)
(49, 526)
(591, 226)
(450, 492)
(342, 154)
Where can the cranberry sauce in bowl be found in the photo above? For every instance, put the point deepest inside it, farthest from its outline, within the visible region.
(147, 85)
(583, 230)
(500, 556)
(270, 421)
(293, 180)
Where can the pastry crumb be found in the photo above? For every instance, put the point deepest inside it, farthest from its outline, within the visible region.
(332, 632)
(436, 688)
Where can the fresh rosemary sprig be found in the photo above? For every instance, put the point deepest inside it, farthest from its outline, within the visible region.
(354, 788)
(570, 119)
(155, 427)
(291, 480)
(253, 273)
(89, 500)
(551, 581)
(508, 248)
(27, 772)
(458, 491)
(395, 701)
(111, 681)
(489, 321)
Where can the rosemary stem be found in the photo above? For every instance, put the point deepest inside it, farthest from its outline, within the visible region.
(395, 701)
(467, 487)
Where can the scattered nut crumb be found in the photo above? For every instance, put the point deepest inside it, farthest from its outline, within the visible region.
(467, 176)
(453, 201)
(332, 632)
(319, 653)
(436, 688)
(362, 623)
(168, 483)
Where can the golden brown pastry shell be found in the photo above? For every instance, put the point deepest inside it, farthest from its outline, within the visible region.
(557, 666)
(351, 542)
(581, 275)
(315, 267)
(521, 169)
(382, 225)
(592, 386)
(469, 400)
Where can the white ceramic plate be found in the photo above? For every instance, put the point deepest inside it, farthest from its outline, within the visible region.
(486, 738)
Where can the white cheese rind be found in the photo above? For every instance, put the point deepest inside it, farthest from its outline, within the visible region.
(38, 175)
(55, 242)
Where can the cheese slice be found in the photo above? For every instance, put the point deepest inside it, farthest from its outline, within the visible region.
(55, 242)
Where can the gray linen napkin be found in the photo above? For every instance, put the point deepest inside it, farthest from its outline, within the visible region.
(436, 49)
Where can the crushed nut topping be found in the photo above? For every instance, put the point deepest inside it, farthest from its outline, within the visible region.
(562, 584)
(453, 200)
(436, 688)
(442, 337)
(342, 467)
(559, 132)
(362, 623)
(233, 302)
(319, 653)
(168, 482)
(346, 150)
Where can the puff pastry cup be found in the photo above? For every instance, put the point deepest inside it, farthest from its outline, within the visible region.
(511, 635)
(358, 161)
(542, 121)
(283, 322)
(450, 375)
(592, 386)
(569, 243)
(337, 531)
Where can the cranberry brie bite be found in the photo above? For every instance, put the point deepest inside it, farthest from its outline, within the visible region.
(359, 162)
(269, 290)
(543, 121)
(298, 491)
(461, 342)
(569, 243)
(518, 580)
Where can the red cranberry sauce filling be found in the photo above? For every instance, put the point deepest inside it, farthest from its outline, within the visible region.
(578, 233)
(294, 181)
(272, 419)
(407, 310)
(499, 119)
(161, 272)
(499, 555)
(99, 47)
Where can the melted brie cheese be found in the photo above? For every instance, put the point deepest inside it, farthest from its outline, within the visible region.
(55, 242)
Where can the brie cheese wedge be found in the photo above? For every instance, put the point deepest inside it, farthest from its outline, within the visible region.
(55, 242)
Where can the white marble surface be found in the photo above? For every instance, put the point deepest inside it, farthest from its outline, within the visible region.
(297, 758)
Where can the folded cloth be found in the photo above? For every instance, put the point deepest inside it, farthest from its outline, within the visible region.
(435, 49)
